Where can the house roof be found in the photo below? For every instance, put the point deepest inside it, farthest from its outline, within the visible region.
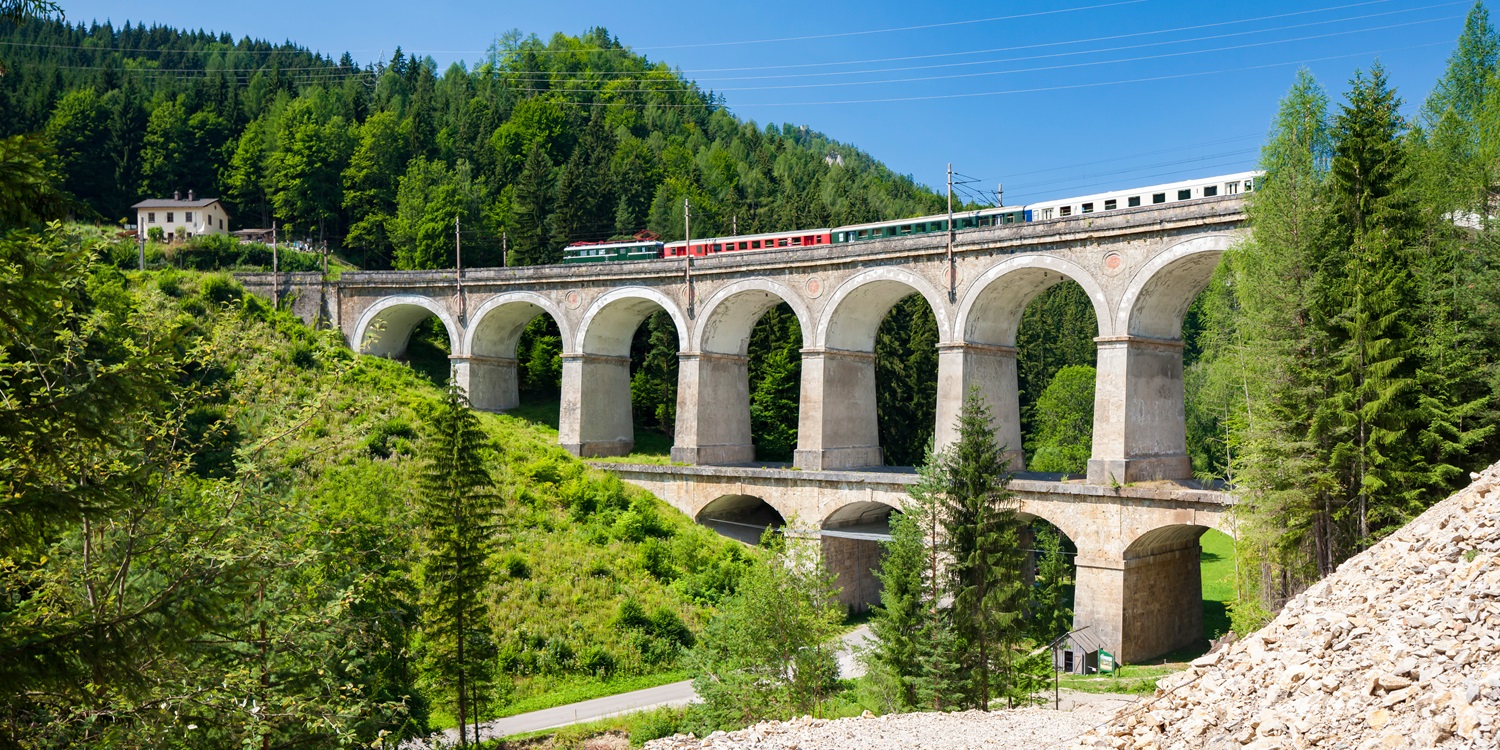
(169, 203)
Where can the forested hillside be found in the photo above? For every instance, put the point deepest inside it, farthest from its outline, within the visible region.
(574, 138)
(1347, 371)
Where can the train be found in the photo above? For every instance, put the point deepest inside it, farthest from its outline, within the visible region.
(648, 247)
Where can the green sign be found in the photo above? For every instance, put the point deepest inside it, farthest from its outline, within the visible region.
(1106, 661)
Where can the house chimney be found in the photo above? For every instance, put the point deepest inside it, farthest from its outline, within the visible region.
(190, 195)
(176, 195)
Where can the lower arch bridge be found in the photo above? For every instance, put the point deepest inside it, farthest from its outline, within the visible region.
(1138, 586)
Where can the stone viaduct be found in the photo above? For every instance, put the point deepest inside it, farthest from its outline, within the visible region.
(1141, 268)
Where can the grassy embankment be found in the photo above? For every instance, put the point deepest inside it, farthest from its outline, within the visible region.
(579, 548)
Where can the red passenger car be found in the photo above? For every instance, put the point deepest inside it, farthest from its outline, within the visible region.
(768, 241)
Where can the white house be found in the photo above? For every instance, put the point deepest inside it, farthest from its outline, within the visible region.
(193, 216)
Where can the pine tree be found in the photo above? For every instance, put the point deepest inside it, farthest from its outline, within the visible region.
(1362, 305)
(982, 542)
(1050, 609)
(458, 513)
(529, 239)
(908, 594)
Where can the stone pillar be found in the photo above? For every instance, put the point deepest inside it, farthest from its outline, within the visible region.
(853, 563)
(594, 418)
(713, 409)
(1141, 608)
(490, 382)
(993, 370)
(1140, 428)
(1098, 597)
(836, 426)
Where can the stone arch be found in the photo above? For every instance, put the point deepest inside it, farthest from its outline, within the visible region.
(730, 314)
(741, 517)
(495, 326)
(991, 310)
(594, 418)
(487, 369)
(1157, 298)
(850, 538)
(713, 415)
(1162, 591)
(855, 309)
(385, 327)
(610, 322)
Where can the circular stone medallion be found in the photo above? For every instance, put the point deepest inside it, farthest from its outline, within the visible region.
(573, 300)
(1113, 263)
(814, 287)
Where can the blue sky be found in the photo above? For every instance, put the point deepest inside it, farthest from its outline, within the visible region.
(1051, 99)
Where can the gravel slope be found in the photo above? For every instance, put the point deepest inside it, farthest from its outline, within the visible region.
(1400, 648)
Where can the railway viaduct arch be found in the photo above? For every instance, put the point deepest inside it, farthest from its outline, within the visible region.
(1141, 268)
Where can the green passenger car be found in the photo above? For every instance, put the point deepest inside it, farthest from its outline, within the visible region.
(605, 252)
(988, 217)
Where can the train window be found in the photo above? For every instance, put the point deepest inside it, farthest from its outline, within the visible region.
(1249, 185)
(1183, 195)
(1111, 204)
(1065, 211)
(718, 247)
(781, 242)
(1088, 208)
(1133, 201)
(1046, 213)
(796, 242)
(744, 246)
(1210, 191)
(1158, 197)
(1231, 188)
(754, 244)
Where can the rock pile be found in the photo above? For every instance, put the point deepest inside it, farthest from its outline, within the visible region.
(1400, 648)
(1021, 728)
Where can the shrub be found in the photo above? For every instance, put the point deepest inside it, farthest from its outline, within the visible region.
(597, 661)
(515, 566)
(219, 289)
(656, 559)
(654, 725)
(556, 658)
(303, 355)
(393, 437)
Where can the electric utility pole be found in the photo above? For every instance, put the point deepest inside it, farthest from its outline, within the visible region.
(687, 236)
(458, 267)
(275, 270)
(952, 269)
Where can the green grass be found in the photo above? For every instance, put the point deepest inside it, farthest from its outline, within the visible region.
(651, 447)
(1218, 582)
(1131, 679)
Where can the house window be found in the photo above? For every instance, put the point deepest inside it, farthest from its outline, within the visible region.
(1065, 211)
(1158, 197)
(1210, 191)
(1183, 195)
(169, 217)
(1111, 204)
(1133, 201)
(221, 224)
(1088, 208)
(151, 217)
(187, 216)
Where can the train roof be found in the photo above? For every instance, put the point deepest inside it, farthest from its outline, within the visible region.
(612, 245)
(935, 217)
(761, 236)
(1165, 187)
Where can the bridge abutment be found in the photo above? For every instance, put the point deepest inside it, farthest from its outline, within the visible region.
(1140, 423)
(594, 418)
(837, 427)
(713, 409)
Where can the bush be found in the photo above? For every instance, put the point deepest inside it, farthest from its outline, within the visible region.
(393, 437)
(597, 661)
(556, 658)
(656, 559)
(654, 725)
(220, 289)
(303, 355)
(515, 566)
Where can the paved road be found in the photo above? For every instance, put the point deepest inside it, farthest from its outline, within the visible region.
(673, 694)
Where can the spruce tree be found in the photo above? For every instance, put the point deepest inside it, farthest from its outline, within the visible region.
(982, 541)
(909, 594)
(1050, 610)
(529, 224)
(458, 513)
(1363, 302)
